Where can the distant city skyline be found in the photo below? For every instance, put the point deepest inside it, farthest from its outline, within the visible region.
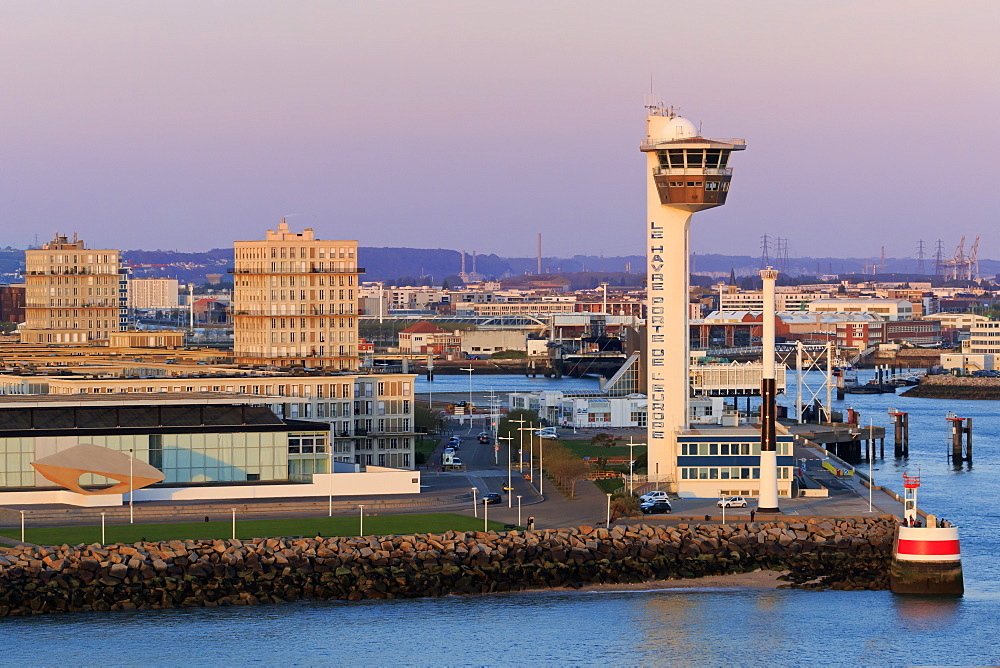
(191, 125)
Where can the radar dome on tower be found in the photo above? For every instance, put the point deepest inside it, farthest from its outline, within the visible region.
(670, 128)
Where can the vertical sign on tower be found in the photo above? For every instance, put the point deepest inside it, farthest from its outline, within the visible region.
(685, 173)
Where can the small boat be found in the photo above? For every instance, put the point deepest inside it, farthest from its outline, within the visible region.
(870, 387)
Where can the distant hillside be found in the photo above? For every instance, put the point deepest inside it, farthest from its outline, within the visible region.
(11, 263)
(434, 265)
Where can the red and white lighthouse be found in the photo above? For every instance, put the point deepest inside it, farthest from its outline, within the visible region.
(925, 559)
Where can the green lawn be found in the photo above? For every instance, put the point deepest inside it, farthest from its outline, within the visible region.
(299, 526)
(426, 444)
(610, 485)
(585, 449)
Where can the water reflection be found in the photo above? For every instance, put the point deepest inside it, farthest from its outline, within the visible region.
(926, 613)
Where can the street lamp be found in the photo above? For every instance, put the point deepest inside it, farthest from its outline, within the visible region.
(361, 520)
(520, 456)
(520, 436)
(22, 523)
(518, 514)
(330, 461)
(608, 523)
(723, 504)
(131, 491)
(510, 482)
(871, 448)
(470, 370)
(531, 454)
(475, 508)
(541, 475)
(234, 523)
(631, 465)
(103, 541)
(486, 519)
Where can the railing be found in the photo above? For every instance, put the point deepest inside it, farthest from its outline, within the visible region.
(693, 171)
(71, 271)
(724, 352)
(863, 354)
(653, 143)
(288, 270)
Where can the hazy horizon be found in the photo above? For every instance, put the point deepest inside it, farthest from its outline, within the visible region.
(188, 125)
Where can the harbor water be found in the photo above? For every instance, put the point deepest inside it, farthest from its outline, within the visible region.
(675, 626)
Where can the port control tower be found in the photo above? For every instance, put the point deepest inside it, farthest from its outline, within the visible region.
(685, 173)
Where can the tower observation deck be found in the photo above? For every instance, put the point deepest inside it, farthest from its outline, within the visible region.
(685, 173)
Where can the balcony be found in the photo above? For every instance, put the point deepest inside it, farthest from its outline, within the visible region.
(652, 144)
(693, 171)
(308, 270)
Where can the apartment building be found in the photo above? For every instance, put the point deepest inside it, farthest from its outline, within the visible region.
(11, 303)
(295, 301)
(371, 417)
(153, 293)
(427, 338)
(984, 338)
(887, 309)
(753, 300)
(73, 294)
(860, 334)
(521, 308)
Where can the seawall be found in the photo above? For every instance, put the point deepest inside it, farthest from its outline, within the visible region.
(955, 387)
(835, 553)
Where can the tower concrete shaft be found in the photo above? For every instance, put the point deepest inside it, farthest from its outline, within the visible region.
(767, 502)
(685, 173)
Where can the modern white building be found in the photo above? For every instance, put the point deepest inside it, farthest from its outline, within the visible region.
(597, 410)
(984, 338)
(753, 300)
(206, 445)
(887, 309)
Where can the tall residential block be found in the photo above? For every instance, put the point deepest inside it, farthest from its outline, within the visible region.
(294, 301)
(73, 294)
(153, 293)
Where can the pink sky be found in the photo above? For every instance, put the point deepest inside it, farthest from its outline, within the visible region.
(476, 125)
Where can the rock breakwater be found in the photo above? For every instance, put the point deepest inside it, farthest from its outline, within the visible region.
(955, 387)
(837, 553)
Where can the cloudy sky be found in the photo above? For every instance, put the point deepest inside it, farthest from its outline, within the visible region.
(475, 125)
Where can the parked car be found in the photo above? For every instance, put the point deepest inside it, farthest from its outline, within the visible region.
(732, 502)
(493, 497)
(655, 507)
(657, 495)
